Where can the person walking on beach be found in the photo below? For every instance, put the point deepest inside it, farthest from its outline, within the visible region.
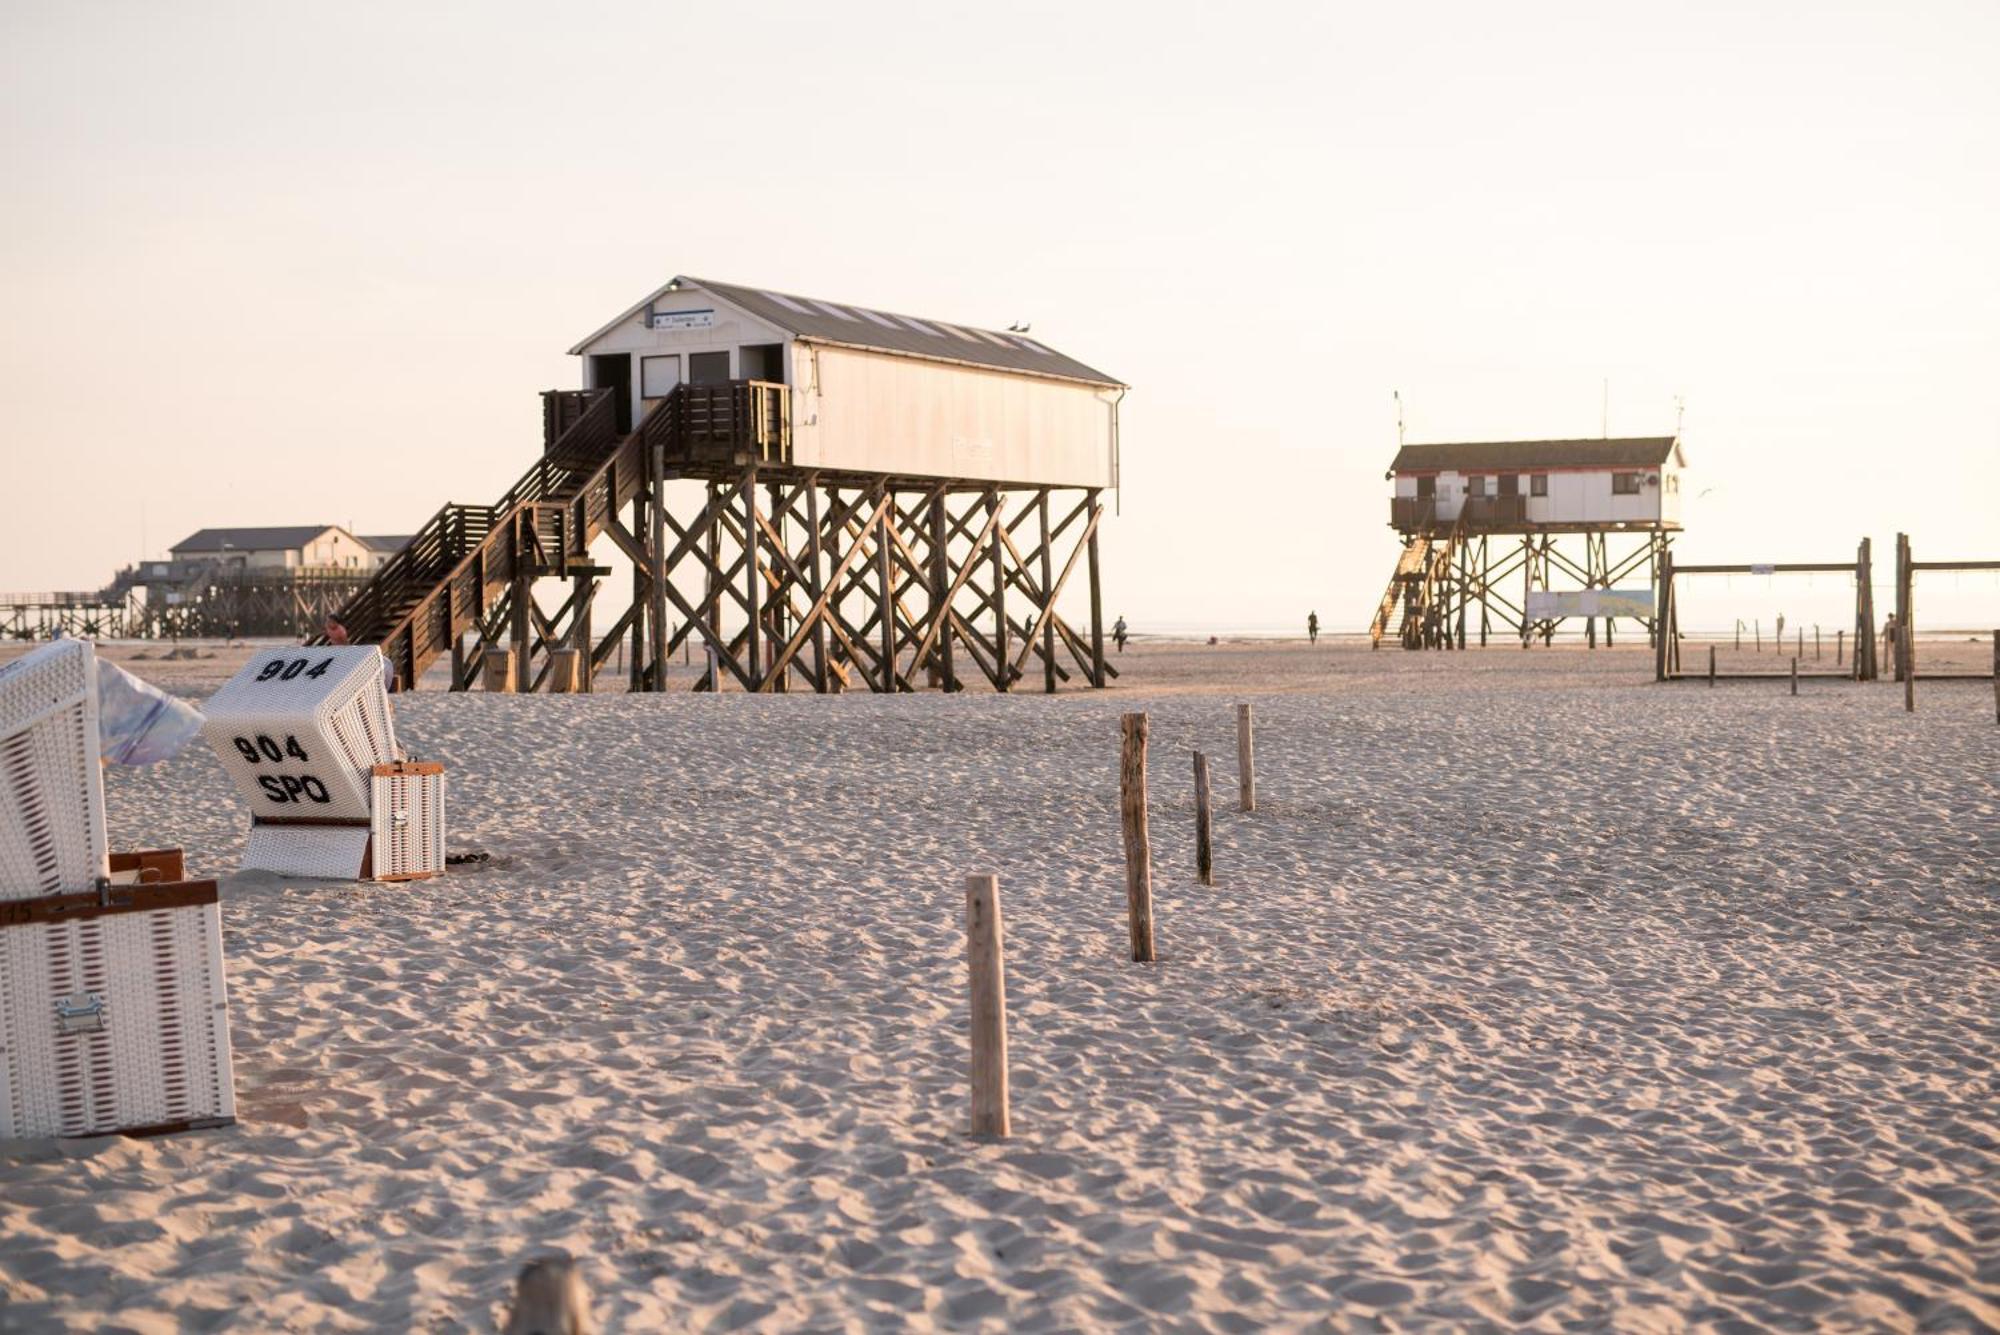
(1118, 633)
(1889, 637)
(1781, 630)
(1312, 626)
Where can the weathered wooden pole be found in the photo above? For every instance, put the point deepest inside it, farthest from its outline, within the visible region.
(1839, 646)
(1996, 676)
(1909, 668)
(1246, 759)
(1795, 674)
(1204, 849)
(985, 957)
(1760, 635)
(1816, 644)
(1138, 850)
(1711, 665)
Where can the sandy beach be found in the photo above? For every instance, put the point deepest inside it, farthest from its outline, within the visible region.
(1532, 995)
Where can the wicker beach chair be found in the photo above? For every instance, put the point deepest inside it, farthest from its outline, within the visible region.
(113, 1010)
(308, 738)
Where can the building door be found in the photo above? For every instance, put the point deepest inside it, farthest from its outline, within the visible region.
(762, 361)
(613, 371)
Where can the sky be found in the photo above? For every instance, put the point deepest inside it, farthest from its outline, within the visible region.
(284, 263)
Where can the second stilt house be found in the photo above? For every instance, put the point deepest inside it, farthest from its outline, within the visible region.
(821, 495)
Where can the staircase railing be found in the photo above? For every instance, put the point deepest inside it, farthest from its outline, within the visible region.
(430, 591)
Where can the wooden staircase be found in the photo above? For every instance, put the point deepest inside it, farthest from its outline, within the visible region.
(463, 568)
(1417, 588)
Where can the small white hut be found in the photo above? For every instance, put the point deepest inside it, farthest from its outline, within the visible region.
(1518, 485)
(870, 391)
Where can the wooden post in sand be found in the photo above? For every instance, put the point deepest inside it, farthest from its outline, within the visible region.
(1996, 676)
(1204, 850)
(1816, 644)
(1711, 665)
(1138, 851)
(1909, 669)
(1839, 646)
(985, 957)
(1246, 759)
(497, 671)
(1795, 674)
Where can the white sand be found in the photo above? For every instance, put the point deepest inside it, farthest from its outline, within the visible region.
(1532, 994)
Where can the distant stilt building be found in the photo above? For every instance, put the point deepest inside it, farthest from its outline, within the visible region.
(1516, 537)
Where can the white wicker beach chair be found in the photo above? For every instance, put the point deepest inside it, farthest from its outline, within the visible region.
(307, 735)
(113, 1008)
(53, 840)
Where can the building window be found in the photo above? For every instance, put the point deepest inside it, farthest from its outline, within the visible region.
(1538, 484)
(1624, 484)
(658, 376)
(1427, 488)
(1475, 485)
(708, 368)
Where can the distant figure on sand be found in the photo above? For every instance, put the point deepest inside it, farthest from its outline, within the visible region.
(1889, 637)
(1118, 633)
(1781, 630)
(550, 1299)
(1312, 626)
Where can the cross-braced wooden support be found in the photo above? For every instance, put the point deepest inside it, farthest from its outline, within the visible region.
(1452, 584)
(786, 579)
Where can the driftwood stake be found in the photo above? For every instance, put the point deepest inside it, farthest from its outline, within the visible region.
(985, 955)
(1909, 668)
(1246, 758)
(1138, 851)
(1204, 849)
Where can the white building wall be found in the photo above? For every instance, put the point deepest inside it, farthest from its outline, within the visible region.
(879, 413)
(1576, 496)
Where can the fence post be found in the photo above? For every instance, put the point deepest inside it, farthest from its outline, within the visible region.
(1909, 668)
(1138, 851)
(1204, 849)
(1246, 759)
(985, 956)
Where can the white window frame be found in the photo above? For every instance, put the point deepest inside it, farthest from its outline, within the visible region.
(646, 359)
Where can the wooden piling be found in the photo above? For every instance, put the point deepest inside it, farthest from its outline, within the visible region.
(497, 671)
(1204, 849)
(985, 957)
(1795, 674)
(1839, 646)
(1760, 635)
(1246, 759)
(1138, 850)
(565, 671)
(1711, 665)
(1816, 644)
(1909, 668)
(1996, 676)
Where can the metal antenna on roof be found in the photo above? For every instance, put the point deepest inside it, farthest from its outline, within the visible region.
(1399, 417)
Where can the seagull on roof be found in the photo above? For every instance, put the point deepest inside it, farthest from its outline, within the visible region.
(1019, 327)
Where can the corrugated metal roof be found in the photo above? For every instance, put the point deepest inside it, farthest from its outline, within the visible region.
(848, 325)
(251, 539)
(1509, 455)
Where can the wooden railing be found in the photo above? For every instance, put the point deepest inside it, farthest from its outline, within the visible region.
(721, 421)
(1417, 514)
